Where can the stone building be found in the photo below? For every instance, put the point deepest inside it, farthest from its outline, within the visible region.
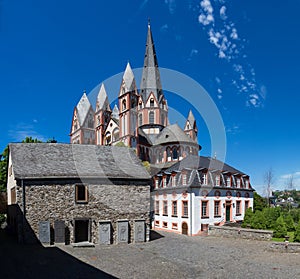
(197, 192)
(140, 120)
(77, 193)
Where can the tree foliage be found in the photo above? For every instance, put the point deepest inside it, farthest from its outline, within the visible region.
(289, 222)
(271, 214)
(280, 227)
(3, 169)
(248, 218)
(297, 233)
(259, 203)
(258, 221)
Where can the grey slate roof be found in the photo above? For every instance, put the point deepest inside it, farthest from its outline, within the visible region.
(198, 162)
(150, 78)
(83, 107)
(102, 99)
(128, 79)
(172, 133)
(48, 160)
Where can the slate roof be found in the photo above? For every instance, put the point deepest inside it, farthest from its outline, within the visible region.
(172, 133)
(102, 99)
(198, 162)
(83, 107)
(150, 78)
(53, 160)
(128, 79)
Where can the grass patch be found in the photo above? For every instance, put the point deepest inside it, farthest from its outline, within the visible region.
(282, 239)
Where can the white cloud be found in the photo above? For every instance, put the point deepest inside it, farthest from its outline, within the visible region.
(223, 13)
(23, 130)
(164, 28)
(206, 16)
(171, 6)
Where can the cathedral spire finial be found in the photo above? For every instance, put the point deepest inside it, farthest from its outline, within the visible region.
(149, 22)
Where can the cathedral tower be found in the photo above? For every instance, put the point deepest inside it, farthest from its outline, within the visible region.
(82, 129)
(152, 105)
(190, 127)
(128, 96)
(102, 115)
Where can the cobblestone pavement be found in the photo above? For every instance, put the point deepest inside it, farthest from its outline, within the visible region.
(180, 256)
(169, 256)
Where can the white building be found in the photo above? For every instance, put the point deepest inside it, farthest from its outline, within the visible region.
(199, 191)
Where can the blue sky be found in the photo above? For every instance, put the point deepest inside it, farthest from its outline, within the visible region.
(244, 53)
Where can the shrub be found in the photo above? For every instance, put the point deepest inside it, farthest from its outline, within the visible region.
(258, 221)
(280, 228)
(297, 233)
(290, 225)
(248, 218)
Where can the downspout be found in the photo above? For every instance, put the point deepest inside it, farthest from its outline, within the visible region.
(191, 215)
(24, 210)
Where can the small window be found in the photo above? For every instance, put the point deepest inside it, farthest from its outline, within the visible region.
(124, 104)
(174, 181)
(157, 207)
(204, 179)
(238, 183)
(217, 180)
(204, 209)
(165, 224)
(183, 179)
(238, 207)
(185, 211)
(140, 119)
(151, 117)
(228, 181)
(157, 223)
(217, 209)
(151, 102)
(156, 183)
(81, 193)
(174, 208)
(164, 182)
(247, 184)
(174, 226)
(165, 208)
(140, 105)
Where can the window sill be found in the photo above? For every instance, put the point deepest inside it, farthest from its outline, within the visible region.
(184, 216)
(165, 214)
(205, 217)
(156, 214)
(81, 202)
(238, 214)
(174, 215)
(217, 216)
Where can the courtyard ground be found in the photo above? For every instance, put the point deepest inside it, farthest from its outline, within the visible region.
(168, 256)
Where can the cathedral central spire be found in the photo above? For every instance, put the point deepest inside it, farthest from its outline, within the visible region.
(151, 78)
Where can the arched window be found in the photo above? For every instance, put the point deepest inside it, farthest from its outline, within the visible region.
(124, 104)
(174, 153)
(163, 119)
(151, 102)
(151, 117)
(107, 138)
(90, 122)
(140, 119)
(169, 154)
(140, 105)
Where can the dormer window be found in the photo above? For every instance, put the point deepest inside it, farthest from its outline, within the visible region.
(205, 179)
(238, 183)
(217, 180)
(151, 117)
(247, 183)
(228, 181)
(184, 179)
(156, 183)
(124, 104)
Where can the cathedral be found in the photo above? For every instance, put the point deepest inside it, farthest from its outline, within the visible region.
(139, 121)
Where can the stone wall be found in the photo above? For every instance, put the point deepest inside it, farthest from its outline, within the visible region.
(239, 233)
(285, 247)
(105, 203)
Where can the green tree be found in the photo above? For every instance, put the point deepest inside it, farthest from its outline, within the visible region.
(258, 221)
(271, 214)
(297, 233)
(3, 169)
(259, 202)
(30, 140)
(120, 144)
(295, 212)
(280, 227)
(248, 218)
(289, 222)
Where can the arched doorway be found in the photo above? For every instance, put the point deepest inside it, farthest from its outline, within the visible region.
(184, 228)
